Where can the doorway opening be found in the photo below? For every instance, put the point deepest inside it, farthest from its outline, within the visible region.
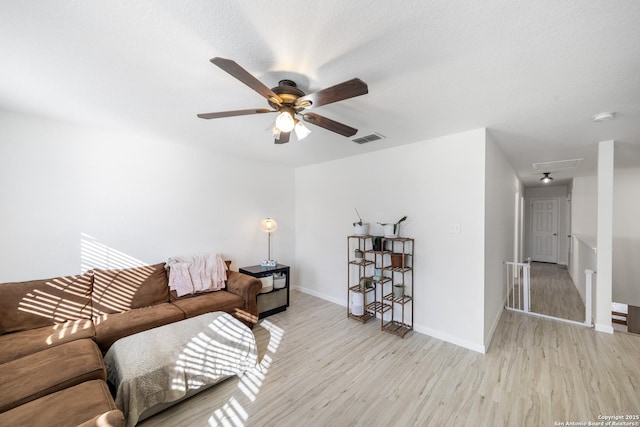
(547, 242)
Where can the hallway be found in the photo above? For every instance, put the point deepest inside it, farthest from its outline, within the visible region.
(553, 292)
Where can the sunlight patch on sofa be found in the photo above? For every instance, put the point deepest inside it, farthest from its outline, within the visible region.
(60, 299)
(115, 289)
(61, 330)
(116, 275)
(48, 305)
(69, 298)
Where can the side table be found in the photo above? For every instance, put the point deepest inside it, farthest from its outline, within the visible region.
(274, 301)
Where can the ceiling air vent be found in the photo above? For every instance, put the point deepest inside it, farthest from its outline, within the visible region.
(368, 138)
(557, 165)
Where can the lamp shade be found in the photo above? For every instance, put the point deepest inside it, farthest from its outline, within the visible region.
(285, 121)
(301, 130)
(268, 225)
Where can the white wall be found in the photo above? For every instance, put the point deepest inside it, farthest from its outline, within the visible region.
(584, 203)
(626, 237)
(502, 187)
(65, 189)
(436, 183)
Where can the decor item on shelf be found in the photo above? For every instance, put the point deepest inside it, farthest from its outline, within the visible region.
(267, 284)
(398, 290)
(357, 303)
(365, 283)
(397, 260)
(362, 229)
(268, 225)
(279, 281)
(377, 274)
(377, 243)
(358, 254)
(392, 230)
(546, 178)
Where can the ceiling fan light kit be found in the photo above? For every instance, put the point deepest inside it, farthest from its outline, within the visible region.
(289, 101)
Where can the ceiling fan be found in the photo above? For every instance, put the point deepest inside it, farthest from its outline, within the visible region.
(290, 101)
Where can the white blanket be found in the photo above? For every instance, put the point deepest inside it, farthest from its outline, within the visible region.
(196, 273)
(163, 364)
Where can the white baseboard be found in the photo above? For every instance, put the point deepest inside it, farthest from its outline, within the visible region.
(608, 329)
(479, 348)
(320, 295)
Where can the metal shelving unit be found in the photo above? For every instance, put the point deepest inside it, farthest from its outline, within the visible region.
(370, 295)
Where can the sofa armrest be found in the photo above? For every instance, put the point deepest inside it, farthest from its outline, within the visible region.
(246, 287)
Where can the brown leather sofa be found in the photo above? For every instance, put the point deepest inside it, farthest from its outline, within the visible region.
(53, 334)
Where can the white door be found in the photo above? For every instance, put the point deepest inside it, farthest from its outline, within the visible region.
(544, 231)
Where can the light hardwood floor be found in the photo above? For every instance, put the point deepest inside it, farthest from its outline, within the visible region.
(321, 369)
(553, 292)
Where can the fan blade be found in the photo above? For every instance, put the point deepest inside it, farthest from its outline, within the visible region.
(329, 124)
(245, 77)
(235, 113)
(283, 138)
(339, 92)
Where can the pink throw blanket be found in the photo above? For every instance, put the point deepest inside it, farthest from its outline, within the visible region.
(196, 273)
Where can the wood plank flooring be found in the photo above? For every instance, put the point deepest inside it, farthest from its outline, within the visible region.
(319, 368)
(553, 292)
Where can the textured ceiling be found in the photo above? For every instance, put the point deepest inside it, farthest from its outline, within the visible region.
(533, 73)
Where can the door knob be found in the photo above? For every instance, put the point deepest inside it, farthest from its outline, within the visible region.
(555, 234)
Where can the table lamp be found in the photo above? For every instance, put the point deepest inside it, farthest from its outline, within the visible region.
(268, 225)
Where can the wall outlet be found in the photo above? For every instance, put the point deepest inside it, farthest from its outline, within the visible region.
(454, 229)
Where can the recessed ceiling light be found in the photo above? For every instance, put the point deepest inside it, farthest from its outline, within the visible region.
(603, 117)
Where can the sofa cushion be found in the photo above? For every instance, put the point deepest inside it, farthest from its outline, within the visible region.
(84, 404)
(38, 303)
(195, 305)
(119, 290)
(39, 374)
(112, 327)
(18, 344)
